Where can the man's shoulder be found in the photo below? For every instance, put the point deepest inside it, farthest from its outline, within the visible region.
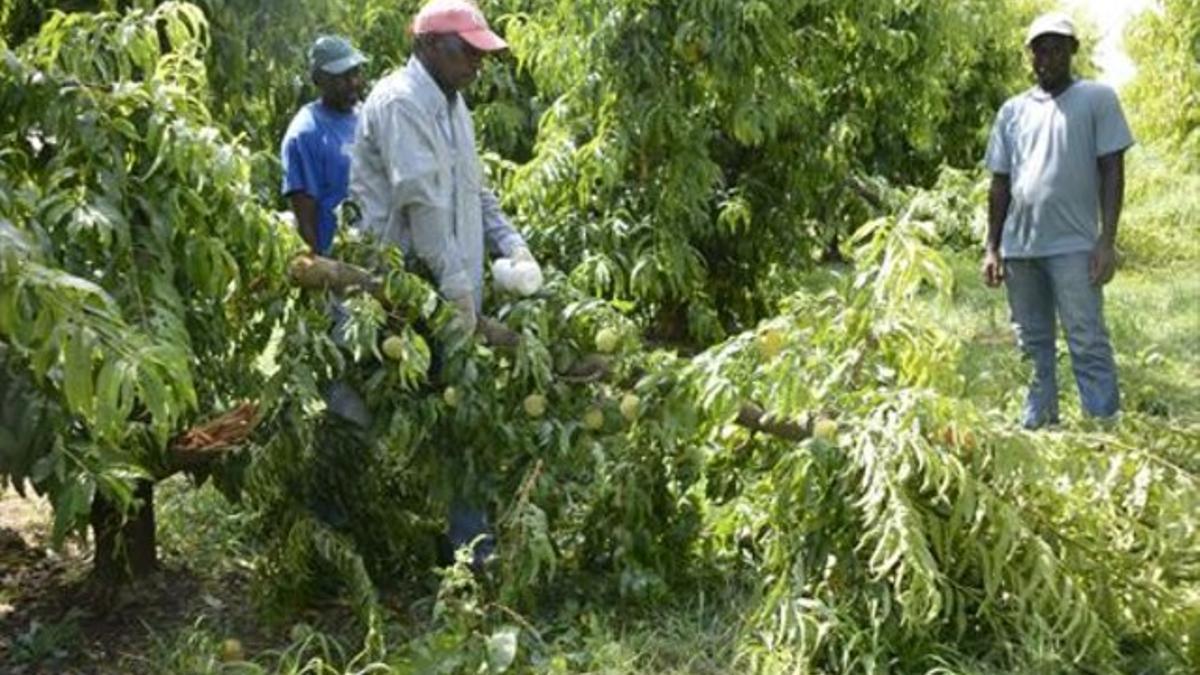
(303, 123)
(1094, 87)
(396, 88)
(402, 88)
(1016, 101)
(1093, 90)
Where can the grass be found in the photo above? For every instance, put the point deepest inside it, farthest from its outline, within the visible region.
(200, 530)
(1153, 316)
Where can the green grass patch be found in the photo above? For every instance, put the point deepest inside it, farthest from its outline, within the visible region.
(1153, 316)
(1161, 221)
(200, 529)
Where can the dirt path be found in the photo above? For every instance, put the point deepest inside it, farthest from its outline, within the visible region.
(54, 618)
(28, 516)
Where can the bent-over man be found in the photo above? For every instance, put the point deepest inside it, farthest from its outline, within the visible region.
(417, 177)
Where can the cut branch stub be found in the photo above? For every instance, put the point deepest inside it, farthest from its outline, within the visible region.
(317, 273)
(201, 445)
(755, 418)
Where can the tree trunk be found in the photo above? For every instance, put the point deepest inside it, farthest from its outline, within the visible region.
(125, 549)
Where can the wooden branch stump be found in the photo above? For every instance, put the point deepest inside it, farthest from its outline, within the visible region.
(755, 418)
(126, 548)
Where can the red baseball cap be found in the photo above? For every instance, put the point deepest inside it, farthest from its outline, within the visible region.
(460, 17)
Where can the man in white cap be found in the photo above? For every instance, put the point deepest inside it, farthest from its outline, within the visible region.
(1056, 157)
(417, 178)
(316, 148)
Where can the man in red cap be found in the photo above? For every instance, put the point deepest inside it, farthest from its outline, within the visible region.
(416, 175)
(415, 171)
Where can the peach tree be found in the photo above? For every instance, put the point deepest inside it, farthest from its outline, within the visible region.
(140, 281)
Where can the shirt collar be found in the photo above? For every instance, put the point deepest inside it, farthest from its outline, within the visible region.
(428, 94)
(1039, 94)
(340, 114)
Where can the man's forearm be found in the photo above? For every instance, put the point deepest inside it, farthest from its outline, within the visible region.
(304, 208)
(1112, 195)
(999, 197)
(501, 237)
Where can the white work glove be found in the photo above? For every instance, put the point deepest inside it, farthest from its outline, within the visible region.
(519, 274)
(466, 320)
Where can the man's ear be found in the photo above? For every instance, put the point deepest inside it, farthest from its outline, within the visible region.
(1074, 45)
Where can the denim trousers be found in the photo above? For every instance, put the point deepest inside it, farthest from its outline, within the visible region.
(468, 524)
(1041, 290)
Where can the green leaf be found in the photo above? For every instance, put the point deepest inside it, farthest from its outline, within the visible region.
(72, 504)
(156, 396)
(77, 373)
(112, 392)
(45, 467)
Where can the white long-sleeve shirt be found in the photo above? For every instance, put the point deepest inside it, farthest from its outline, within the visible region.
(415, 173)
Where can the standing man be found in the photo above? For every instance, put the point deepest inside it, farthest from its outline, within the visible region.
(416, 176)
(1056, 157)
(316, 147)
(416, 172)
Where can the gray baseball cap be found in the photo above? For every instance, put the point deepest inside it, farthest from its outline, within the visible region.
(334, 55)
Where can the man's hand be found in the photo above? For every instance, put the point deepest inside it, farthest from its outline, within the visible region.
(1103, 264)
(993, 268)
(466, 320)
(496, 334)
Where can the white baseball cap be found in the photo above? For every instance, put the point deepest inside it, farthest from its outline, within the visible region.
(1055, 23)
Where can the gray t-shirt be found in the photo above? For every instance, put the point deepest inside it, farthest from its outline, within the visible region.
(1049, 146)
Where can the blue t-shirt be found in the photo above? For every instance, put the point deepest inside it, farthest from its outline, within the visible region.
(1048, 146)
(316, 161)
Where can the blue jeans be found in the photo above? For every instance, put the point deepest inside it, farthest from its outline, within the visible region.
(1037, 287)
(467, 520)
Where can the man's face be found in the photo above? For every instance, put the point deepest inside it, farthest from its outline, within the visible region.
(457, 62)
(341, 92)
(1051, 58)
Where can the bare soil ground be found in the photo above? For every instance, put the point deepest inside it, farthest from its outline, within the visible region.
(54, 618)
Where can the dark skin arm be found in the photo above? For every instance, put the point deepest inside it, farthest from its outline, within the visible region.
(999, 197)
(304, 208)
(1112, 196)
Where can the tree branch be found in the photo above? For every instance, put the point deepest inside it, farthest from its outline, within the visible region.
(755, 418)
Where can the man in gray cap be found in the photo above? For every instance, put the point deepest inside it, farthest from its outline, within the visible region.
(316, 148)
(1056, 157)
